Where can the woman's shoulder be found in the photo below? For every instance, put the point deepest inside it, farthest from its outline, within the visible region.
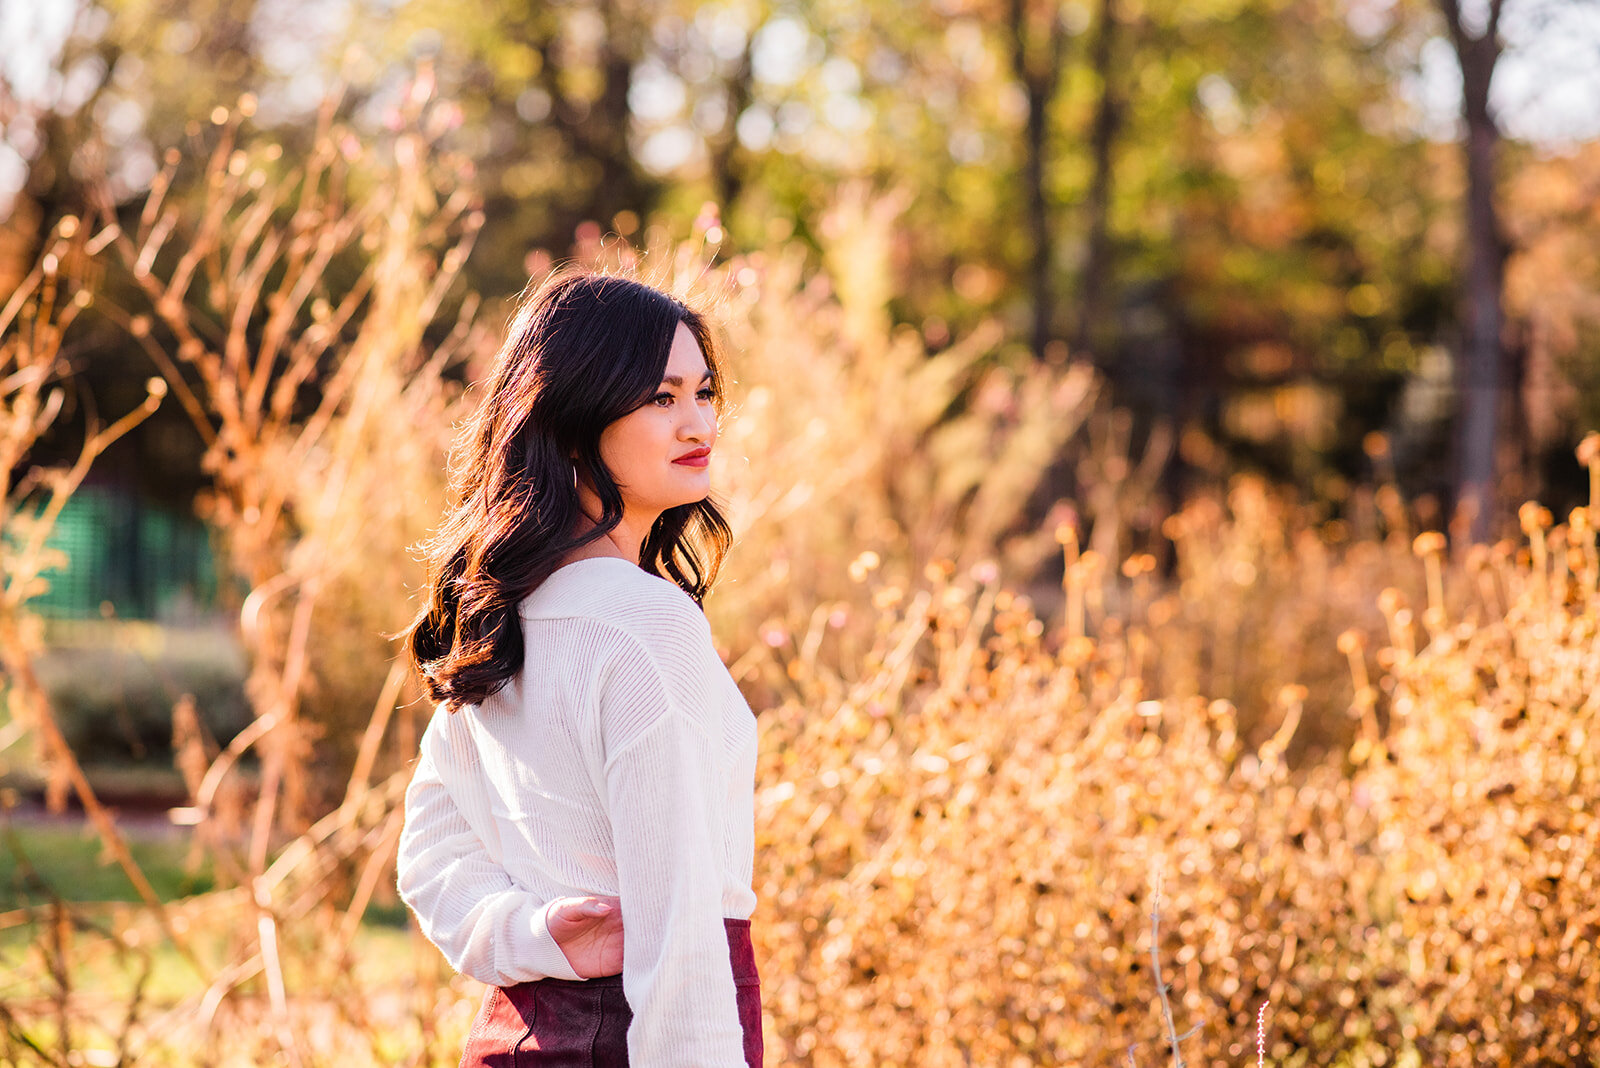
(613, 591)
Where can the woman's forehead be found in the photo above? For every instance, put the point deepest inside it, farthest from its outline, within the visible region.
(685, 358)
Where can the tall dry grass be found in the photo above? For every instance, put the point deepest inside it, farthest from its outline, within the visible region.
(959, 854)
(971, 778)
(35, 382)
(303, 315)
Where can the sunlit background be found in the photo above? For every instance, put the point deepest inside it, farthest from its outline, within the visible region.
(1160, 450)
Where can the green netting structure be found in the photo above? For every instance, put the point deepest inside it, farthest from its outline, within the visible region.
(128, 559)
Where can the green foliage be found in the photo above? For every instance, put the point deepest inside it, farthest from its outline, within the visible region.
(49, 861)
(1276, 225)
(113, 687)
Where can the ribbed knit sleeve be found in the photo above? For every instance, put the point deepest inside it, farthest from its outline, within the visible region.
(487, 927)
(664, 759)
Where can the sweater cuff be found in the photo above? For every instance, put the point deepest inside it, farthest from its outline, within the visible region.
(547, 956)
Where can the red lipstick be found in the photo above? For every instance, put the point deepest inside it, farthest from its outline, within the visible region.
(695, 458)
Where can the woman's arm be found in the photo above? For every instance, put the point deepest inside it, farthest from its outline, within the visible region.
(665, 784)
(466, 904)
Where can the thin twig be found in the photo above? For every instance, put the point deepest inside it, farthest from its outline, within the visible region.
(1155, 960)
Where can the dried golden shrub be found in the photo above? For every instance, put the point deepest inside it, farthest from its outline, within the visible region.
(956, 856)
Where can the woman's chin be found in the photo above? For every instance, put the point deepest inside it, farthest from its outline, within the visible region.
(690, 495)
(696, 487)
(702, 495)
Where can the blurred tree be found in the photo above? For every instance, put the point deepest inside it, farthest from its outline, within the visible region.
(1095, 283)
(47, 101)
(95, 100)
(1231, 202)
(709, 51)
(1037, 37)
(1552, 290)
(1482, 359)
(1281, 192)
(544, 92)
(128, 76)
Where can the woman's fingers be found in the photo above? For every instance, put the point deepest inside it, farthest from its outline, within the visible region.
(572, 916)
(589, 932)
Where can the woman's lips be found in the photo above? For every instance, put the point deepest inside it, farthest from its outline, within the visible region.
(698, 458)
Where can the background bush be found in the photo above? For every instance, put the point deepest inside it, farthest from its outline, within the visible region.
(114, 687)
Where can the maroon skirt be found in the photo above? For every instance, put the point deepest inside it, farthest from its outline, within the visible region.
(584, 1023)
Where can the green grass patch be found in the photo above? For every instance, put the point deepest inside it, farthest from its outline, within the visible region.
(41, 863)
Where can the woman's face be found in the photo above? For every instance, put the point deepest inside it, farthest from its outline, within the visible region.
(659, 454)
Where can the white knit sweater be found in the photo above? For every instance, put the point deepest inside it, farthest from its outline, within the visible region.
(621, 760)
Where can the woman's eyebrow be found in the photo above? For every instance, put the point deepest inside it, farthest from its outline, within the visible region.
(677, 380)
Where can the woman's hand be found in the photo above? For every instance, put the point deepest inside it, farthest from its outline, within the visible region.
(589, 932)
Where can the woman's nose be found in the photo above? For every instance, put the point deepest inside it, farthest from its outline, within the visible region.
(699, 425)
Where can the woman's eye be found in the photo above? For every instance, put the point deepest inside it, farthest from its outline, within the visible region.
(707, 394)
(661, 399)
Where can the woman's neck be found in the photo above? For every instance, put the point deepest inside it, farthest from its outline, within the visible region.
(625, 540)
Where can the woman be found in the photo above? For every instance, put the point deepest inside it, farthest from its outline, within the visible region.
(589, 743)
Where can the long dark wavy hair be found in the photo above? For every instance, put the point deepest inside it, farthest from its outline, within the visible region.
(583, 351)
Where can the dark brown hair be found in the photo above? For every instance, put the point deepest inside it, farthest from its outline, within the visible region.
(583, 351)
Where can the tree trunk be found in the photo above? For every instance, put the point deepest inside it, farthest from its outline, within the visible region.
(1039, 81)
(1481, 366)
(598, 130)
(727, 176)
(1097, 267)
(619, 186)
